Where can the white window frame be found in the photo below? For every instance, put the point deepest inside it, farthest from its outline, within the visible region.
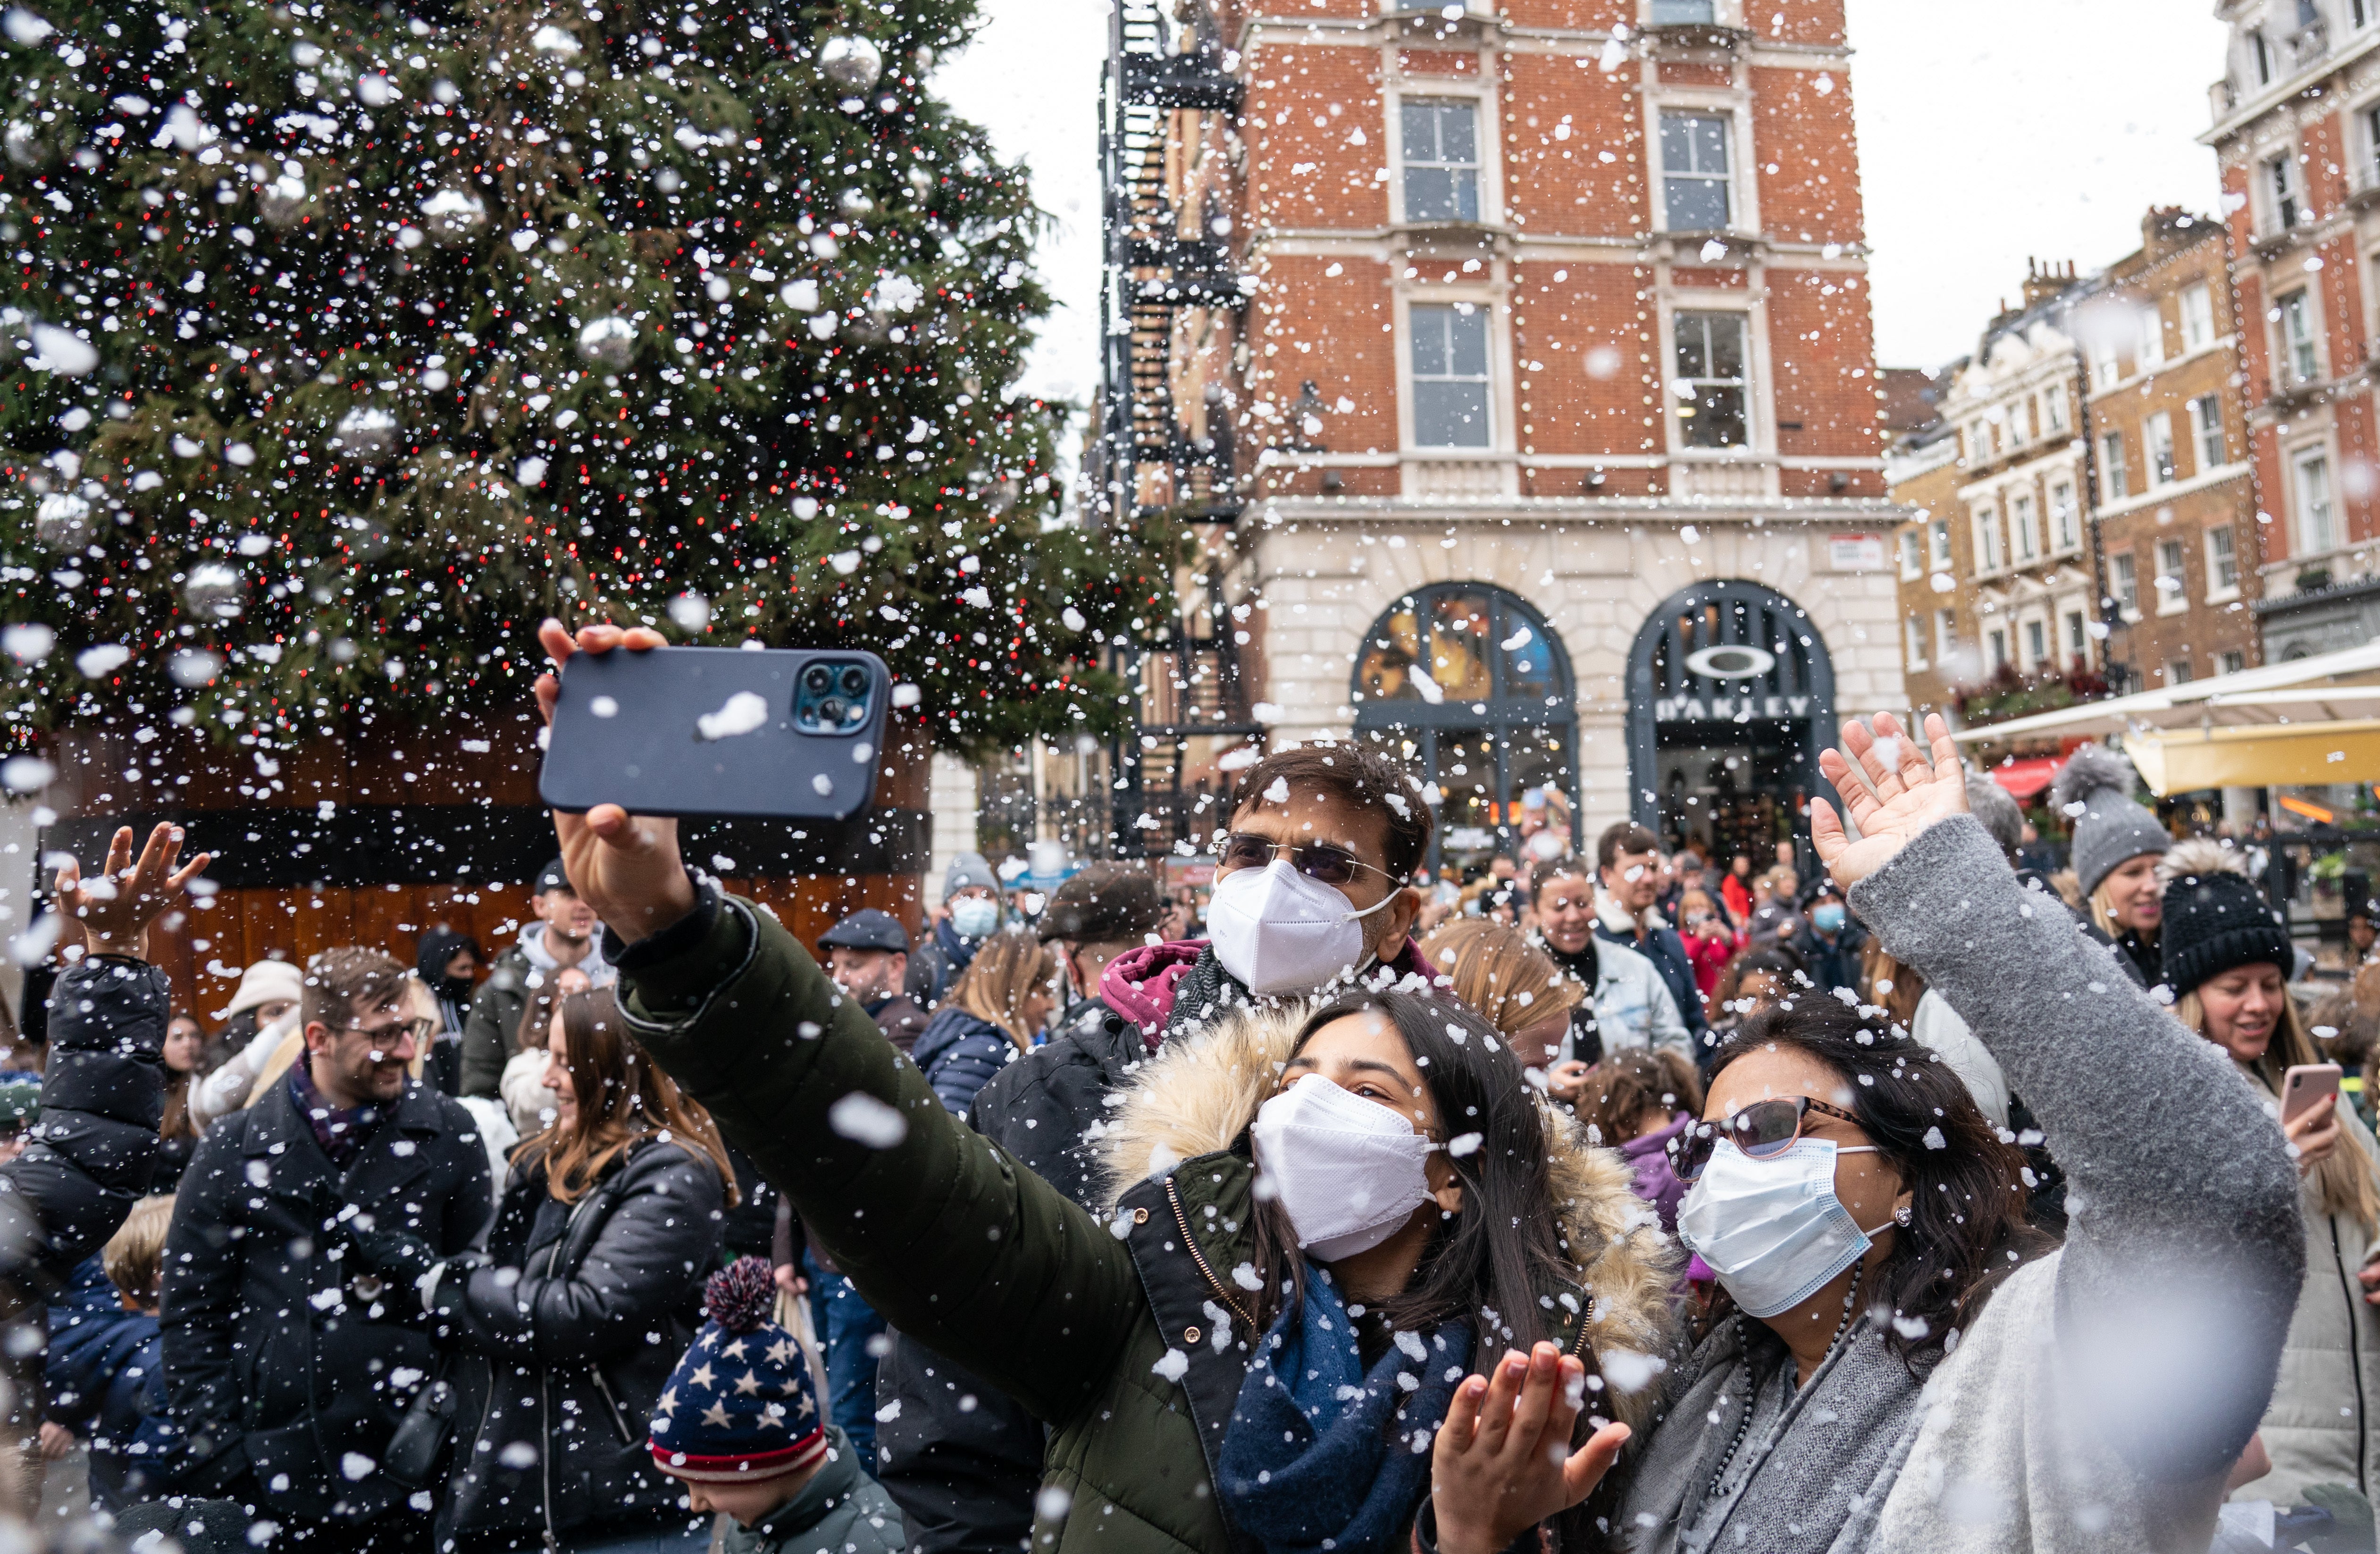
(2158, 461)
(2298, 335)
(2151, 352)
(2189, 672)
(1913, 643)
(2283, 189)
(2025, 530)
(2206, 438)
(2173, 600)
(2106, 366)
(1938, 552)
(2036, 626)
(1996, 650)
(2115, 474)
(2315, 525)
(1478, 150)
(1488, 122)
(1946, 636)
(1913, 556)
(1991, 540)
(1735, 107)
(1730, 181)
(2124, 583)
(2065, 526)
(2074, 641)
(1760, 430)
(2197, 316)
(2053, 405)
(2222, 558)
(1498, 376)
(2230, 661)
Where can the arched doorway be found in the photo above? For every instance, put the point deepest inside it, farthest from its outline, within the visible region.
(1730, 694)
(1469, 686)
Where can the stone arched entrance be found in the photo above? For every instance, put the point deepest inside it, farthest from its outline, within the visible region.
(1730, 695)
(1471, 687)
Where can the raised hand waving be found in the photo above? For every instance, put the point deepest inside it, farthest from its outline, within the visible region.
(1903, 795)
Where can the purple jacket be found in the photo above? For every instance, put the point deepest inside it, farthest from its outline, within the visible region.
(1655, 1182)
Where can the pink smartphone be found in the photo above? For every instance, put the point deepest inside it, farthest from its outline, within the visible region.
(2306, 1086)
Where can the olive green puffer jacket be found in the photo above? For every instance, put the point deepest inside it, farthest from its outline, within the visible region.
(1127, 1332)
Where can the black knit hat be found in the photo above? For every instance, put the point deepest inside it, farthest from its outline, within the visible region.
(2215, 921)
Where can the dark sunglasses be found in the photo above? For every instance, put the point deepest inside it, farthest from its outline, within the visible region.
(1317, 860)
(1763, 1131)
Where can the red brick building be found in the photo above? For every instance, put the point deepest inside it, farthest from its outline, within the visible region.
(1550, 394)
(2297, 137)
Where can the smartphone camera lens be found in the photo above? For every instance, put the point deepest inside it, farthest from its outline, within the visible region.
(818, 678)
(831, 710)
(857, 713)
(854, 682)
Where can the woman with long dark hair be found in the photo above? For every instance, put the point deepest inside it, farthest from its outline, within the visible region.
(590, 1291)
(1908, 1364)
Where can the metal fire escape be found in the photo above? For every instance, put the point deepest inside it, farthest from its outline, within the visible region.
(1161, 78)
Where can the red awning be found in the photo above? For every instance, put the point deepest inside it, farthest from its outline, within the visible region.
(2026, 778)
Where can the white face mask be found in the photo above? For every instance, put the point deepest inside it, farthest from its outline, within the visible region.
(1773, 1230)
(1279, 931)
(973, 917)
(1347, 1171)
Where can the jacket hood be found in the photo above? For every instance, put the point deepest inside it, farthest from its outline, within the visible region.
(1139, 983)
(1197, 1097)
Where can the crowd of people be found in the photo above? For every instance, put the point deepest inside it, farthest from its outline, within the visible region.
(1626, 1203)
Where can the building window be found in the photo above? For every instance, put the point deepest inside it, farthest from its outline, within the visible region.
(1915, 638)
(1441, 153)
(2107, 368)
(2077, 638)
(2114, 483)
(2317, 525)
(2063, 535)
(2260, 58)
(2207, 428)
(2179, 672)
(2022, 528)
(1450, 376)
(2295, 314)
(2151, 338)
(2231, 662)
(1710, 379)
(2197, 317)
(1946, 636)
(2172, 586)
(1666, 12)
(2128, 583)
(1998, 640)
(1694, 172)
(2281, 180)
(1941, 544)
(2156, 448)
(1988, 556)
(2222, 563)
(2036, 644)
(1912, 564)
(2053, 407)
(2019, 424)
(2371, 169)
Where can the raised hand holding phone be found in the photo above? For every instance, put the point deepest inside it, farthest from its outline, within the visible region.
(627, 866)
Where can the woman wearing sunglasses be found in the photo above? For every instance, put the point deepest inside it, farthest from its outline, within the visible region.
(1908, 1365)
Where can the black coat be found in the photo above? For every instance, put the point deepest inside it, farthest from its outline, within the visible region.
(94, 1151)
(568, 1331)
(274, 1359)
(1838, 964)
(965, 1477)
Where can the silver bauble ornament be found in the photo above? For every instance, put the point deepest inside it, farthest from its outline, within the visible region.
(851, 62)
(609, 342)
(62, 521)
(453, 215)
(215, 591)
(366, 435)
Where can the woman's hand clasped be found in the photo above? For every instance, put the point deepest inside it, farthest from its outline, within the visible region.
(1502, 1462)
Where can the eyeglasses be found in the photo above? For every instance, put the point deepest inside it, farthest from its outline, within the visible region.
(1763, 1131)
(419, 1031)
(1330, 864)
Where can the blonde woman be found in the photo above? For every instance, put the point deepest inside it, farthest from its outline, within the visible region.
(2114, 855)
(2226, 958)
(994, 1010)
(1514, 985)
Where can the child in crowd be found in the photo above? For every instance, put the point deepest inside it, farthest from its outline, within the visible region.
(104, 1371)
(740, 1424)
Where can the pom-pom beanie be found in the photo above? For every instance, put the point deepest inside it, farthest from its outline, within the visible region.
(2093, 791)
(740, 1404)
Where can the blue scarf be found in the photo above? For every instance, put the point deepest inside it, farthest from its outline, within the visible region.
(1319, 1454)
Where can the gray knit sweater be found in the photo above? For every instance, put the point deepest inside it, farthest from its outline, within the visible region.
(2172, 1296)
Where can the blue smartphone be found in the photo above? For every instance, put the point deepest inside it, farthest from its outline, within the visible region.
(788, 734)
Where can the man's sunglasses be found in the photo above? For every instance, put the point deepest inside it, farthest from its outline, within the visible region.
(1762, 1131)
(1317, 860)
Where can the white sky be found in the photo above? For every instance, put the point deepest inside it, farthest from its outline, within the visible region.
(1989, 130)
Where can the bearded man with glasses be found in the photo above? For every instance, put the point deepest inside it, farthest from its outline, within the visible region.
(291, 1352)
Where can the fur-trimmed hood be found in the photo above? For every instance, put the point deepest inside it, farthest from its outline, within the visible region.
(1198, 1095)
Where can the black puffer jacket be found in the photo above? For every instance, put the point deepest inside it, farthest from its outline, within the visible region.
(568, 1331)
(964, 1472)
(95, 1148)
(275, 1360)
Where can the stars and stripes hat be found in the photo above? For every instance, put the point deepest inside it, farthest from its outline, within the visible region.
(740, 1404)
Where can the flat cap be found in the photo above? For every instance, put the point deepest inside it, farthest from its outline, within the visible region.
(866, 929)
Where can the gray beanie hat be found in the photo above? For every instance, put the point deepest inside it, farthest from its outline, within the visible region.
(2095, 792)
(1996, 807)
(968, 869)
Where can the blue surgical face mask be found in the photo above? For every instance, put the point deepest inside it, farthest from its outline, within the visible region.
(1827, 919)
(973, 917)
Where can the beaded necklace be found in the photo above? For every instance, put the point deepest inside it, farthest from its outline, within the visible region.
(1743, 1426)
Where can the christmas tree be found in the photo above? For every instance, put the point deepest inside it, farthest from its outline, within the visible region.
(351, 340)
